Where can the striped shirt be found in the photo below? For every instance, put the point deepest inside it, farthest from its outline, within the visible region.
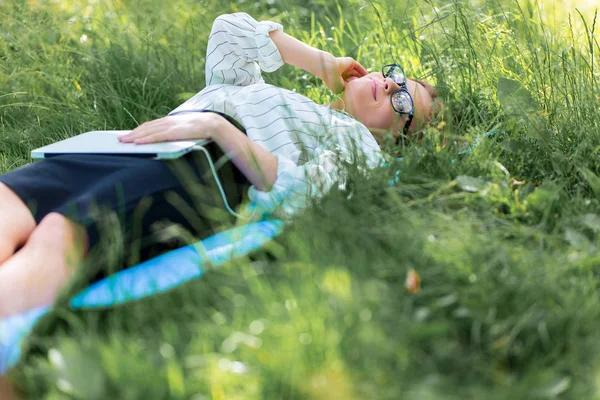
(308, 139)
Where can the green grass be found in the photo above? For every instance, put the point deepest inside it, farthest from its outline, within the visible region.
(505, 237)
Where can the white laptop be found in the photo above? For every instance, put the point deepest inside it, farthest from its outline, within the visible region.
(106, 143)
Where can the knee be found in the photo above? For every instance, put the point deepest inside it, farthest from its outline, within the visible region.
(7, 248)
(57, 230)
(53, 226)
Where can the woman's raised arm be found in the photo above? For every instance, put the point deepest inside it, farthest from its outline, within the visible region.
(239, 47)
(334, 71)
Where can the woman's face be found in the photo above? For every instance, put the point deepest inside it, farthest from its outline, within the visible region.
(368, 99)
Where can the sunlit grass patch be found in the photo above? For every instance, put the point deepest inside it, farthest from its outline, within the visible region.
(504, 237)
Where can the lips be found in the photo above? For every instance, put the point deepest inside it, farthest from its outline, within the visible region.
(374, 88)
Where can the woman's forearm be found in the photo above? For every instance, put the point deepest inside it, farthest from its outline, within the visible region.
(257, 164)
(299, 54)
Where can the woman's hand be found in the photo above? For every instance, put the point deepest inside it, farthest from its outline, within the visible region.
(341, 70)
(189, 126)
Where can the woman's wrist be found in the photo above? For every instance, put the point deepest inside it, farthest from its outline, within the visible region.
(219, 132)
(213, 126)
(324, 65)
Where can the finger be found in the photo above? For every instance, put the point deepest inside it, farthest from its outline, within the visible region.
(136, 132)
(141, 133)
(142, 130)
(154, 138)
(354, 73)
(360, 69)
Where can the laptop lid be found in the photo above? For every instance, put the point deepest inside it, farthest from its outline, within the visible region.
(106, 143)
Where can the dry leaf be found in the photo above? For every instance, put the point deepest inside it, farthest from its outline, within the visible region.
(413, 281)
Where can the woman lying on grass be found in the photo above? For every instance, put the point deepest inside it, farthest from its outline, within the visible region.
(289, 150)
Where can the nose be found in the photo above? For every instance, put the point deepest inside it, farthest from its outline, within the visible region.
(389, 85)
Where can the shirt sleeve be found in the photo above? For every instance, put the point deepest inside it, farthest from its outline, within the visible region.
(295, 184)
(238, 48)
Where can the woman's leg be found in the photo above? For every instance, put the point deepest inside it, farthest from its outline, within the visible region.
(16, 222)
(7, 392)
(34, 276)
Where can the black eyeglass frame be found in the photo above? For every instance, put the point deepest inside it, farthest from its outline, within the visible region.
(402, 88)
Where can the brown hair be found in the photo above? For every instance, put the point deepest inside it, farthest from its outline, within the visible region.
(438, 112)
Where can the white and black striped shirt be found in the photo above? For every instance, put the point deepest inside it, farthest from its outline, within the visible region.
(307, 138)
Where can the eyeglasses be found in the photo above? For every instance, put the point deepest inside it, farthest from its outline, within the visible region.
(402, 101)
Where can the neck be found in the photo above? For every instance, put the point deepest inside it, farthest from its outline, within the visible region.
(338, 104)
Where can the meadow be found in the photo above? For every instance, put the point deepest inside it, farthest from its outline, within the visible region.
(501, 221)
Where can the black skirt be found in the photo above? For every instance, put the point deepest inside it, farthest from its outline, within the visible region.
(144, 198)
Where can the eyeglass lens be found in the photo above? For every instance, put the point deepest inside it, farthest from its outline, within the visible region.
(402, 102)
(396, 74)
